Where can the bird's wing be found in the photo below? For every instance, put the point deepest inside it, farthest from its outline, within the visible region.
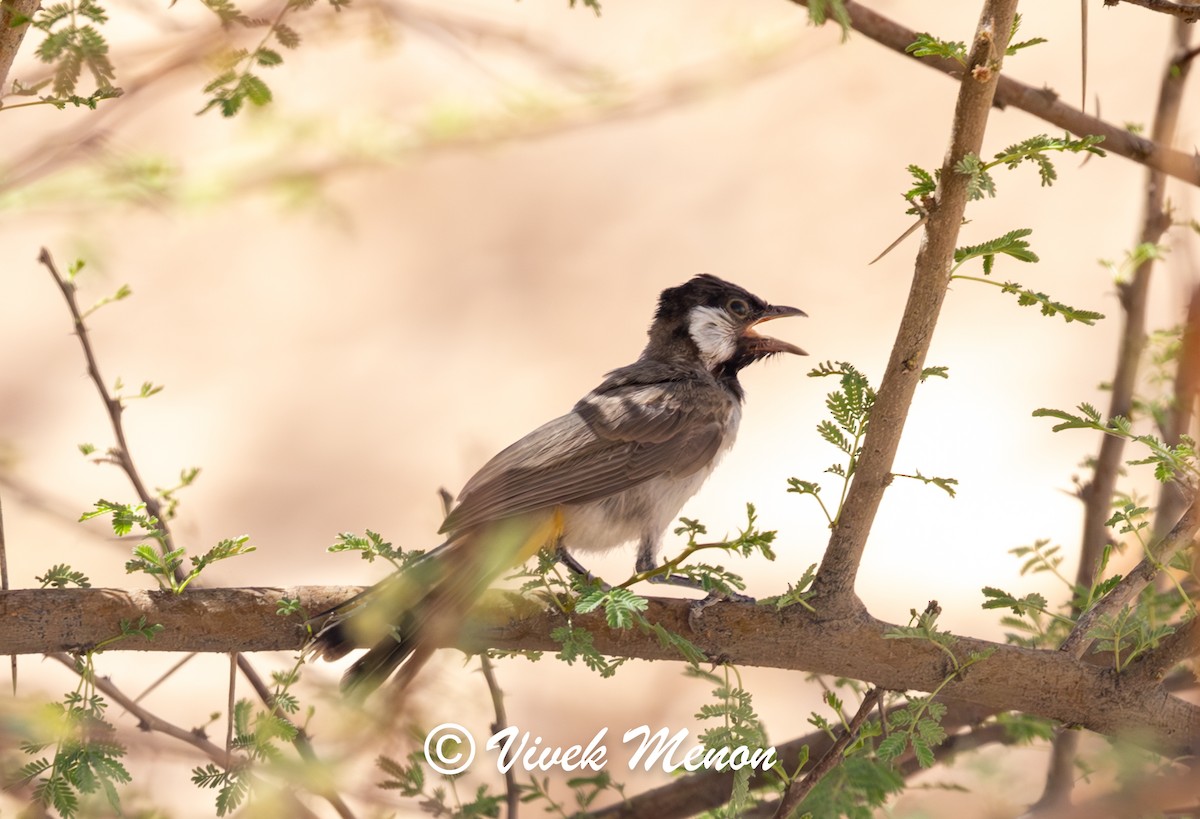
(614, 439)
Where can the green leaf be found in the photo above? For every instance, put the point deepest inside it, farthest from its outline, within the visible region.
(819, 11)
(1034, 149)
(254, 89)
(227, 12)
(945, 484)
(267, 57)
(892, 747)
(1026, 728)
(286, 35)
(1050, 307)
(688, 650)
(60, 576)
(1010, 244)
(230, 547)
(926, 45)
(578, 644)
(922, 751)
(594, 5)
(924, 186)
(979, 181)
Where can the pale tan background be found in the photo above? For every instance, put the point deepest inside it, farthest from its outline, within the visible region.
(336, 348)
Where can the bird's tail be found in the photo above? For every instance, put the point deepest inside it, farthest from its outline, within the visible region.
(399, 617)
(406, 616)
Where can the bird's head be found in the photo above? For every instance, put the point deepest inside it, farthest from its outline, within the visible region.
(716, 321)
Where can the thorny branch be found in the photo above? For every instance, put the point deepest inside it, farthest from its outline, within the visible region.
(839, 567)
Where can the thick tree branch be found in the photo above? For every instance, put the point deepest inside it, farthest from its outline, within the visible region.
(699, 792)
(11, 36)
(839, 567)
(1046, 683)
(1040, 102)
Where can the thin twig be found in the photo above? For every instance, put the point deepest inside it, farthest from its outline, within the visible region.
(165, 676)
(147, 720)
(231, 706)
(797, 790)
(512, 794)
(1083, 54)
(112, 406)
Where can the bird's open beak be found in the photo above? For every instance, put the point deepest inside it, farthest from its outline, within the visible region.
(764, 345)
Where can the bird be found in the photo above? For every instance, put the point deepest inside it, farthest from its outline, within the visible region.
(616, 469)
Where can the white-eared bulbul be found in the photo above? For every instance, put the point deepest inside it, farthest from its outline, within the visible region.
(616, 469)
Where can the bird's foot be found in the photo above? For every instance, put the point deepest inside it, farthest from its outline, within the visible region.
(697, 607)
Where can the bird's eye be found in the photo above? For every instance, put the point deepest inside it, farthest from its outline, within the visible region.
(739, 307)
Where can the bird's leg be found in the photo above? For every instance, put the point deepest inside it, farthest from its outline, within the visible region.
(647, 563)
(575, 567)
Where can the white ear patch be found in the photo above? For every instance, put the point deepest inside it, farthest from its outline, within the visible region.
(713, 333)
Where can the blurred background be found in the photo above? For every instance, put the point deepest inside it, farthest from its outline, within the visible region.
(452, 220)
